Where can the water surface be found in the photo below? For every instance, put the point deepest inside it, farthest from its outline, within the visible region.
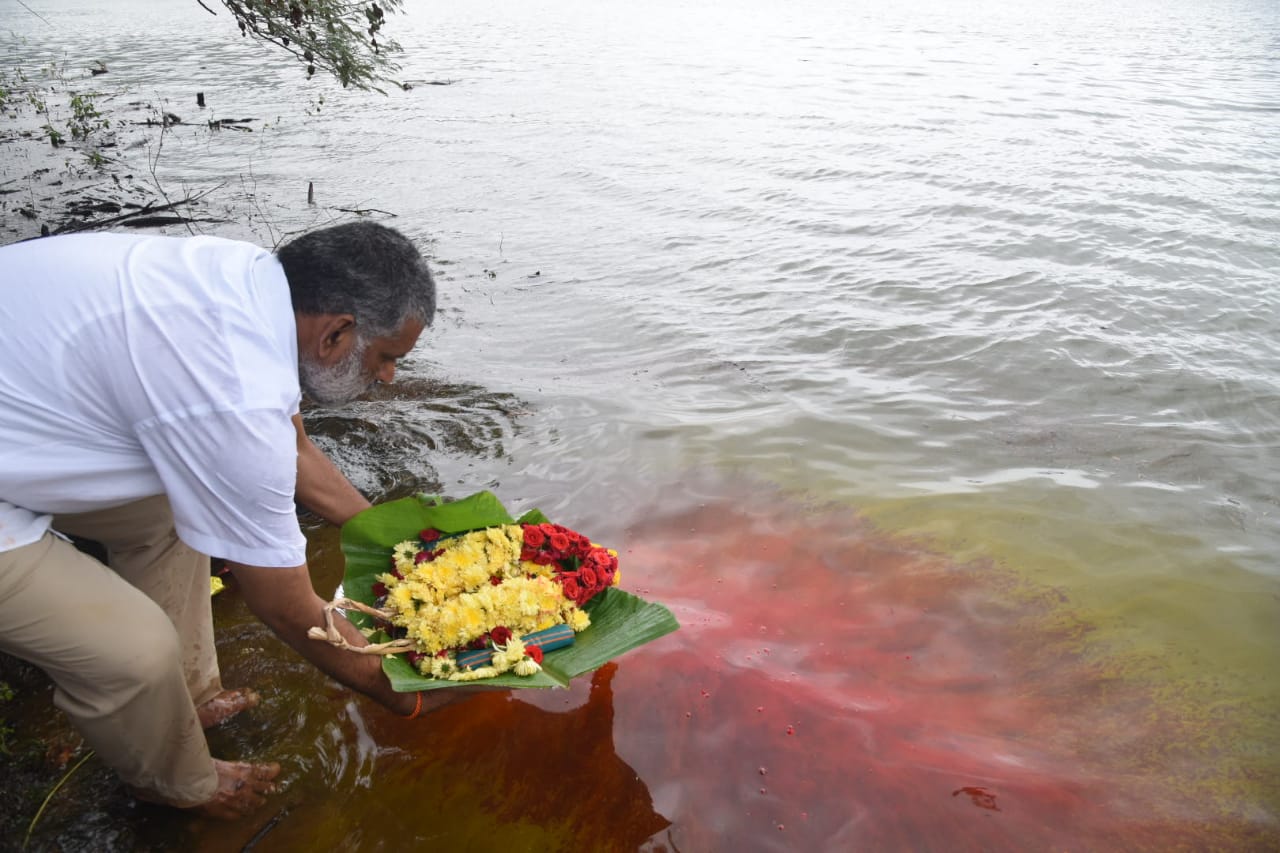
(967, 311)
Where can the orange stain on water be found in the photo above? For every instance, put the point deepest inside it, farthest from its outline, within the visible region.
(895, 699)
(831, 688)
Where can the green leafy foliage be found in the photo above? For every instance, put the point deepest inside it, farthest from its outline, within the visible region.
(85, 118)
(337, 36)
(620, 621)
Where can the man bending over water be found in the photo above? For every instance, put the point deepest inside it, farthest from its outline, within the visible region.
(149, 391)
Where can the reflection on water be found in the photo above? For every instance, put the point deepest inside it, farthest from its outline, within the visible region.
(495, 773)
(831, 688)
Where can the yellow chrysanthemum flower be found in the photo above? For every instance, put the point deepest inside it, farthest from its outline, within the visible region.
(448, 602)
(528, 567)
(527, 667)
(474, 674)
(512, 652)
(401, 598)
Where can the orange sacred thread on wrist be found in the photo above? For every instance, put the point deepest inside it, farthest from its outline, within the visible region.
(417, 708)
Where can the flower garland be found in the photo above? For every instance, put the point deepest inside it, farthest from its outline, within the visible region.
(501, 589)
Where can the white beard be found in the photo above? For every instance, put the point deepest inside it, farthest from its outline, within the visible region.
(339, 384)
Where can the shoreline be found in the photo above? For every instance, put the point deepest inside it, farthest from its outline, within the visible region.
(77, 160)
(70, 155)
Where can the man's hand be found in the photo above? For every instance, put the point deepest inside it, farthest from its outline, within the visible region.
(287, 603)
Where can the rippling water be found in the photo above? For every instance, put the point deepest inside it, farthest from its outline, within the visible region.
(1000, 278)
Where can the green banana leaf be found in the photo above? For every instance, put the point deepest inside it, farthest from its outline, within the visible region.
(620, 621)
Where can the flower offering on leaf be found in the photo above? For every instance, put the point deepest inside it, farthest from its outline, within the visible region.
(486, 590)
(461, 591)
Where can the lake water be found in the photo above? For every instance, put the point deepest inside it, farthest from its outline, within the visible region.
(924, 359)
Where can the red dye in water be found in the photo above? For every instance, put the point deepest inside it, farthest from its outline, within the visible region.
(993, 699)
(890, 755)
(981, 797)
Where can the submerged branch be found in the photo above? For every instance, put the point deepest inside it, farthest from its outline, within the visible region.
(136, 218)
(361, 211)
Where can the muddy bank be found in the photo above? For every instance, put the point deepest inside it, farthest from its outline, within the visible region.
(79, 154)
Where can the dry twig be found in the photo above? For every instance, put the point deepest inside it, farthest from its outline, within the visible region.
(331, 635)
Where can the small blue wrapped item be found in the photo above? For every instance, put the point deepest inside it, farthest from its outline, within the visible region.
(548, 639)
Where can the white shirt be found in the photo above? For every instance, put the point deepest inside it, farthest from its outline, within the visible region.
(133, 366)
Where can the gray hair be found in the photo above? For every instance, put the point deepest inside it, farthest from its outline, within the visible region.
(360, 268)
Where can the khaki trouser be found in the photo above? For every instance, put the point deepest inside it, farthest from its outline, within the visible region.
(129, 648)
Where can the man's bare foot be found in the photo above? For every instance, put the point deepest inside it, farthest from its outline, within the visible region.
(227, 704)
(242, 789)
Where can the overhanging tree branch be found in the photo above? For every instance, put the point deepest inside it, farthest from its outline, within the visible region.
(337, 36)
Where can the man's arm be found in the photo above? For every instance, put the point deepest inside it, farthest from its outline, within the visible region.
(321, 486)
(287, 603)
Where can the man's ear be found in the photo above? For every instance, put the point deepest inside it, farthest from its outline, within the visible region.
(337, 334)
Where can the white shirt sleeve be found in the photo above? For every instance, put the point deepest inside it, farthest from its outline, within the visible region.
(230, 477)
(20, 526)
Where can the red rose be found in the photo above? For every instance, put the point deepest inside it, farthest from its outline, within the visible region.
(533, 537)
(559, 542)
(429, 535)
(414, 657)
(569, 583)
(534, 653)
(604, 563)
(396, 574)
(590, 580)
(423, 557)
(500, 635)
(379, 589)
(542, 558)
(494, 580)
